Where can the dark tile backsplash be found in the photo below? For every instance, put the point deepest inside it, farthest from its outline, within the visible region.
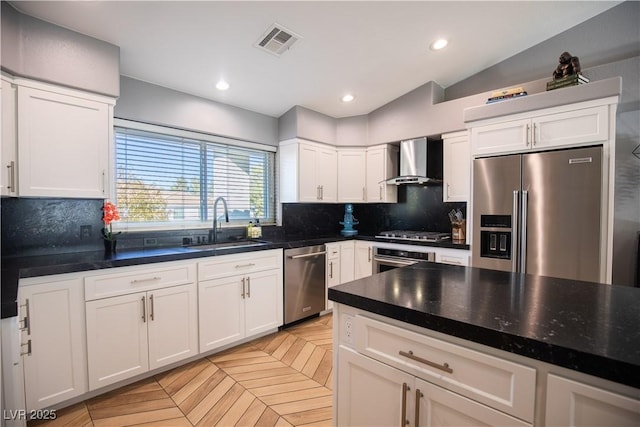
(45, 226)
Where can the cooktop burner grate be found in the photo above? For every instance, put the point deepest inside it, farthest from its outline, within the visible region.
(423, 236)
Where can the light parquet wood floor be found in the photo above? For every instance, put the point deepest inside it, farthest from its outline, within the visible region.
(283, 379)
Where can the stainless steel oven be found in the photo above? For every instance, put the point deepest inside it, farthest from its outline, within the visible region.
(385, 259)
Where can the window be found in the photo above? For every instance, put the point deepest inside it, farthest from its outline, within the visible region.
(170, 181)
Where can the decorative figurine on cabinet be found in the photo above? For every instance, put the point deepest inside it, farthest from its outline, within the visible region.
(569, 65)
(349, 221)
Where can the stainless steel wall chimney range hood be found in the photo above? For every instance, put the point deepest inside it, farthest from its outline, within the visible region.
(420, 162)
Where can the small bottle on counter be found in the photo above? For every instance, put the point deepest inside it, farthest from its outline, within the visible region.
(257, 229)
(250, 230)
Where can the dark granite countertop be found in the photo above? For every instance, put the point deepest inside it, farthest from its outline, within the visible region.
(587, 327)
(16, 267)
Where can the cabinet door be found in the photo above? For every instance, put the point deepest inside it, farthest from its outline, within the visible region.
(56, 367)
(439, 407)
(63, 145)
(572, 403)
(370, 393)
(172, 324)
(347, 260)
(327, 174)
(351, 175)
(363, 265)
(220, 312)
(263, 301)
(382, 163)
(498, 138)
(117, 339)
(9, 165)
(573, 127)
(308, 186)
(457, 169)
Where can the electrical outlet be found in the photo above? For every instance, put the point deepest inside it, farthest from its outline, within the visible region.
(348, 329)
(85, 231)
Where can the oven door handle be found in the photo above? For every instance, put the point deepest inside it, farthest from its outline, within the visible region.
(394, 261)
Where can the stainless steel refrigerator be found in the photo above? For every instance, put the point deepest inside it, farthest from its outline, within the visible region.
(539, 213)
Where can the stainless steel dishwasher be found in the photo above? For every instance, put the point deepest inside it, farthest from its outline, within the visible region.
(304, 282)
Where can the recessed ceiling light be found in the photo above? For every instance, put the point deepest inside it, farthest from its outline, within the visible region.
(222, 85)
(348, 98)
(439, 44)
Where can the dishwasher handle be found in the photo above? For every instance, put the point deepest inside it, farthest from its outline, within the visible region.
(306, 255)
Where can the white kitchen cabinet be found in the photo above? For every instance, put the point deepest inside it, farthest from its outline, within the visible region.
(9, 164)
(577, 404)
(382, 164)
(567, 127)
(53, 342)
(64, 141)
(363, 259)
(139, 319)
(308, 172)
(339, 265)
(351, 175)
(239, 296)
(374, 394)
(456, 167)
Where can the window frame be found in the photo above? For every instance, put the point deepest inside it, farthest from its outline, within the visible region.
(198, 136)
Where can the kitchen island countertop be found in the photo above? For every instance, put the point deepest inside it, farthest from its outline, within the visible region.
(587, 327)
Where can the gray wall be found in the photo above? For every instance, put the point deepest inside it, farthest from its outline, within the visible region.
(148, 103)
(39, 50)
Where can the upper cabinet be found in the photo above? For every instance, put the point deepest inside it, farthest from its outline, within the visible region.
(457, 167)
(64, 140)
(382, 163)
(8, 168)
(573, 126)
(352, 166)
(308, 172)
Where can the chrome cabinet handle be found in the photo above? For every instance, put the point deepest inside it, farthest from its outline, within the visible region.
(419, 395)
(322, 192)
(11, 167)
(243, 290)
(403, 415)
(28, 352)
(533, 135)
(528, 135)
(380, 188)
(444, 367)
(104, 182)
(364, 193)
(144, 311)
(248, 287)
(151, 310)
(249, 264)
(369, 252)
(149, 279)
(26, 320)
(318, 192)
(331, 269)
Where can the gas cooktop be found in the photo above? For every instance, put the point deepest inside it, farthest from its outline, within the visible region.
(420, 236)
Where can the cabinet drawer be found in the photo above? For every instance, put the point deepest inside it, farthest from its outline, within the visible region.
(333, 251)
(453, 258)
(126, 280)
(496, 382)
(227, 265)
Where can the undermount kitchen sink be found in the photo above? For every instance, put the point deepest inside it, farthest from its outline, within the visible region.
(228, 245)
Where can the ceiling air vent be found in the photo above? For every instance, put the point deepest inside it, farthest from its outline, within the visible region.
(277, 39)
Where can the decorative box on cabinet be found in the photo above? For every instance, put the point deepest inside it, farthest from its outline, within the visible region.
(456, 167)
(382, 164)
(53, 342)
(64, 140)
(149, 320)
(308, 172)
(9, 167)
(239, 296)
(568, 126)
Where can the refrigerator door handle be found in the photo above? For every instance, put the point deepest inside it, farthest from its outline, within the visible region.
(523, 226)
(514, 231)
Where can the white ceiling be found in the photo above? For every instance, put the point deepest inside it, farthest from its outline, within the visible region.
(377, 50)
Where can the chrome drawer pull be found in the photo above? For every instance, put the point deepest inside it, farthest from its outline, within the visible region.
(144, 311)
(28, 352)
(419, 395)
(250, 264)
(149, 279)
(403, 415)
(444, 367)
(26, 321)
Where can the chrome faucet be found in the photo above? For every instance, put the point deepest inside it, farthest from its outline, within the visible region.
(215, 218)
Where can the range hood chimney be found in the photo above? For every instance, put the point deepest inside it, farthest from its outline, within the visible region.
(420, 162)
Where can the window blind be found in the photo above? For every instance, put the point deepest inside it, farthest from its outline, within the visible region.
(165, 181)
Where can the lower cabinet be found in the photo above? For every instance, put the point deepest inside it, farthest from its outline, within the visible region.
(245, 301)
(375, 394)
(339, 265)
(53, 341)
(131, 334)
(363, 262)
(577, 404)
